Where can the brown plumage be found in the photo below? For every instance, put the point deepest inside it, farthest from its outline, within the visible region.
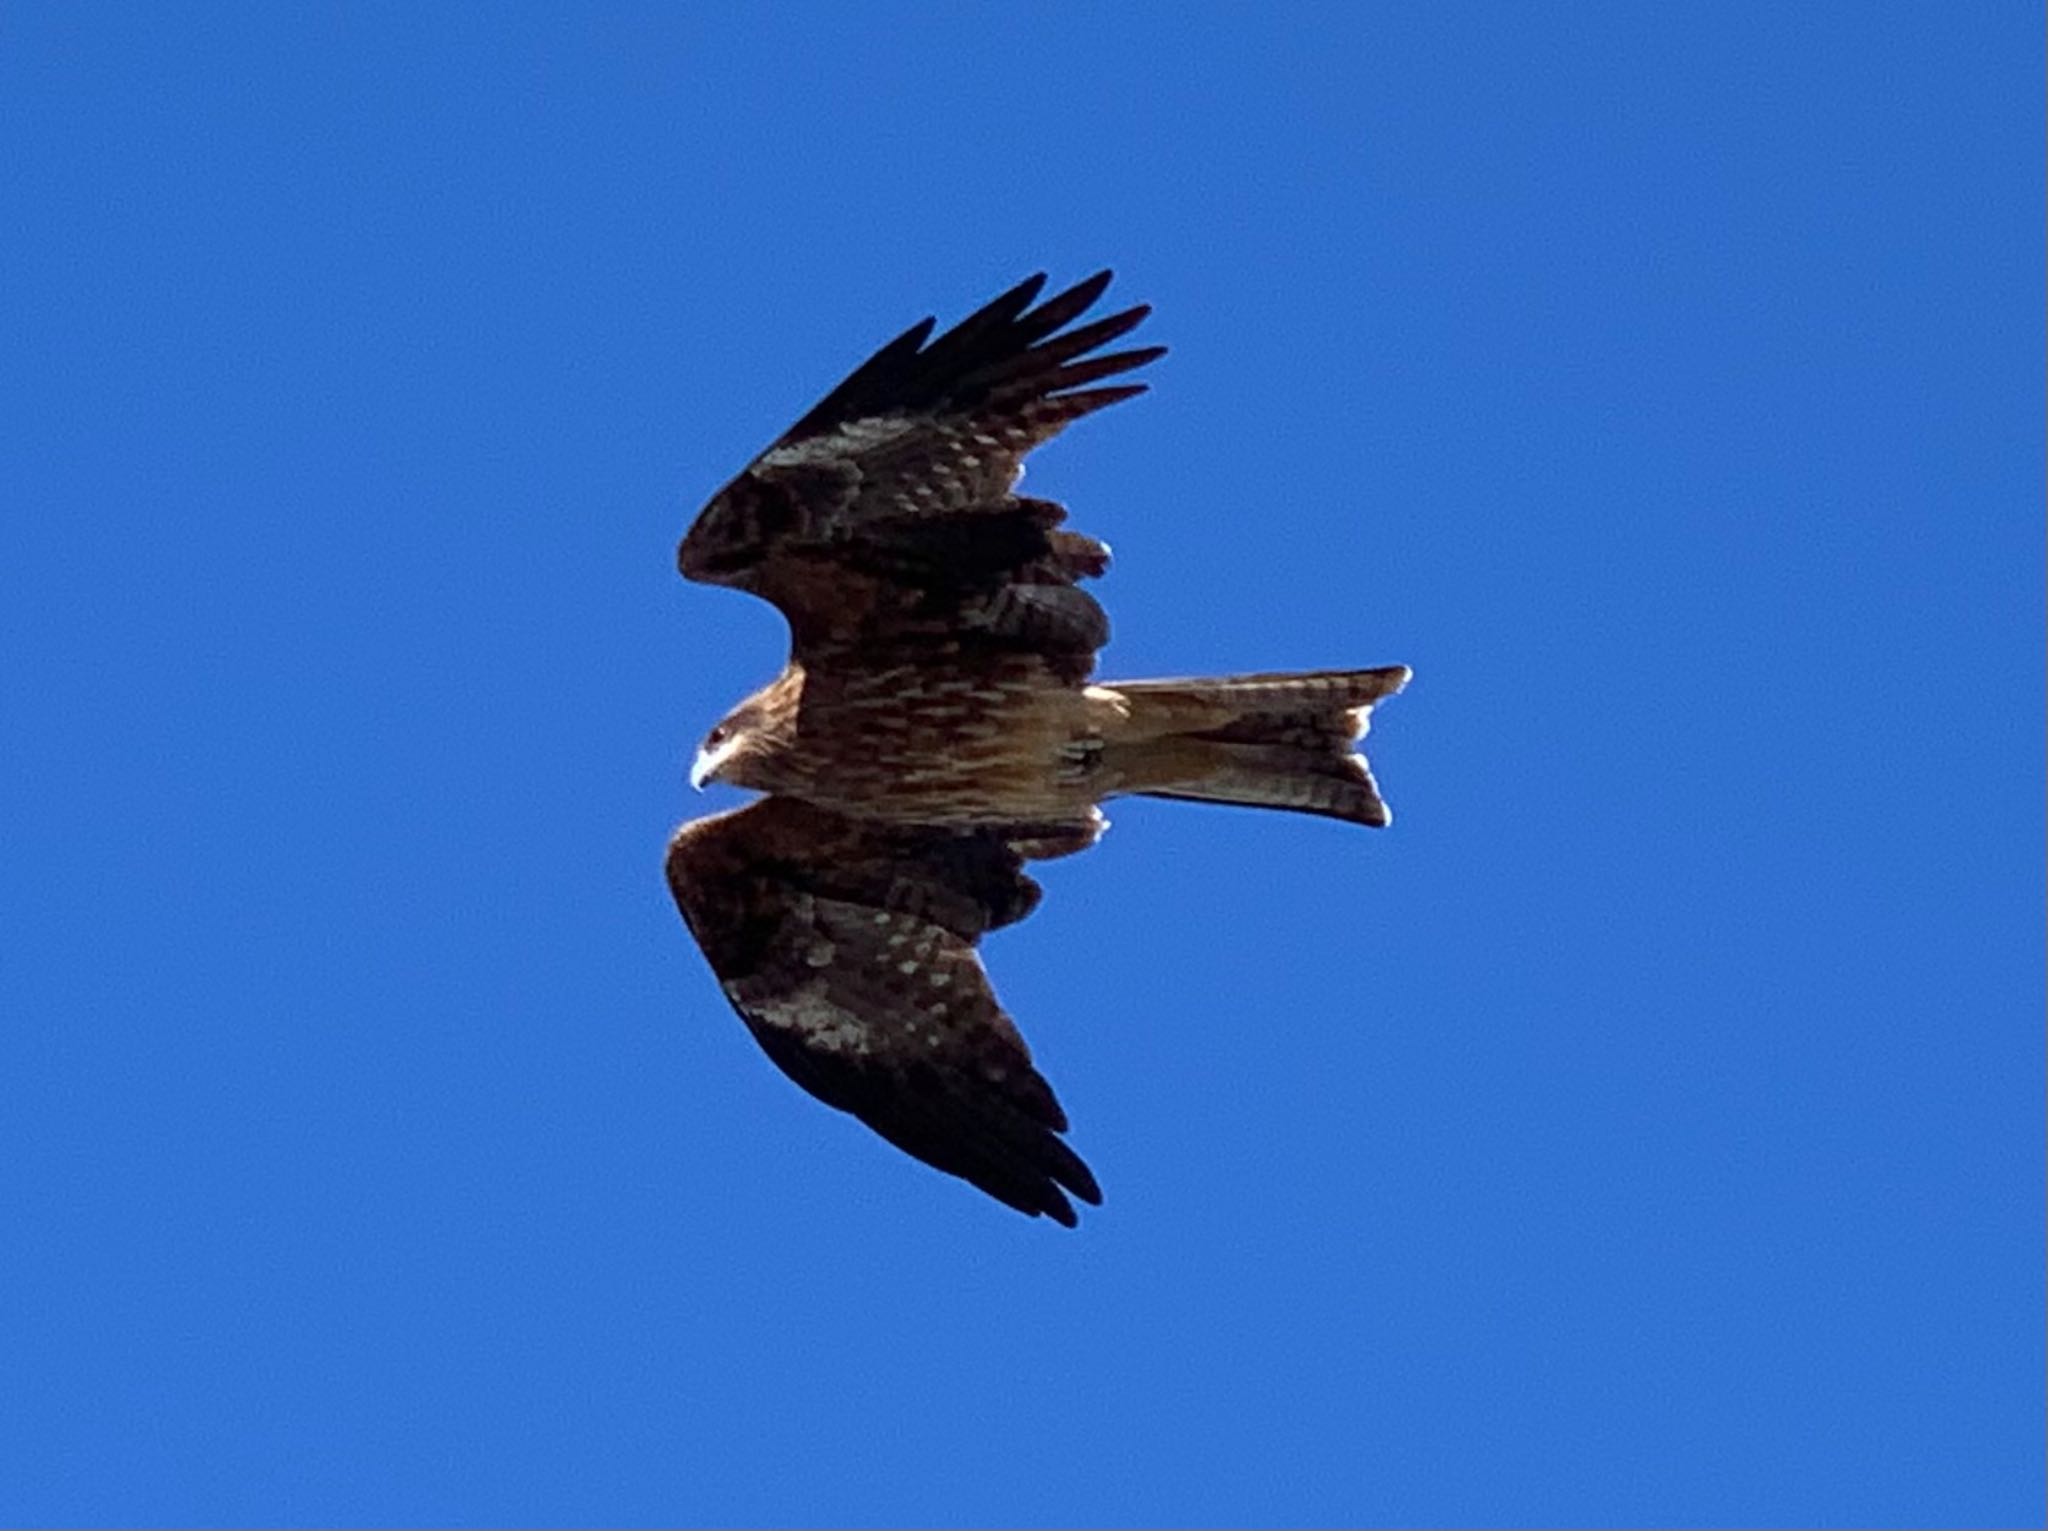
(935, 728)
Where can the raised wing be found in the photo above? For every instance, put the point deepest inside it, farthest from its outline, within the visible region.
(848, 950)
(885, 514)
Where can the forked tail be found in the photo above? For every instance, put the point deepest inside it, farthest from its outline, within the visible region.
(1266, 741)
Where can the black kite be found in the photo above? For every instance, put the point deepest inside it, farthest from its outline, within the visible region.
(935, 728)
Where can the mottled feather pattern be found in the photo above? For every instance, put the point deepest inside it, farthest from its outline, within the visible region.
(930, 436)
(930, 731)
(849, 952)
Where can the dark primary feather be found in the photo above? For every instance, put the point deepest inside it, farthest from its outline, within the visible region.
(990, 348)
(848, 949)
(886, 513)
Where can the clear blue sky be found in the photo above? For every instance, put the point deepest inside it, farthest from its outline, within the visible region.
(1647, 1128)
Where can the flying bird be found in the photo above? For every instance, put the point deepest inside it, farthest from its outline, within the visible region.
(935, 729)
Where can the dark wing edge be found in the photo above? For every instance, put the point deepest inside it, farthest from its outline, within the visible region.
(849, 951)
(1001, 351)
(891, 500)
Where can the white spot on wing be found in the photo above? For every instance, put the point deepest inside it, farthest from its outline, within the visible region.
(809, 1014)
(848, 440)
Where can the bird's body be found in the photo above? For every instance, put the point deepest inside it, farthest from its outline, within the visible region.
(936, 727)
(940, 736)
(950, 736)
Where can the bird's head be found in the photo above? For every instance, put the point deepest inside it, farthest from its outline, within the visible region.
(744, 747)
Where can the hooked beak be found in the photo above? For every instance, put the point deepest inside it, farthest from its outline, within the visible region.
(709, 762)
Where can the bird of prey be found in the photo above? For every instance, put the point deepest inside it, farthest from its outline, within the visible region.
(935, 729)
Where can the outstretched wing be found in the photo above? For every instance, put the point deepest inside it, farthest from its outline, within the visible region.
(848, 950)
(885, 514)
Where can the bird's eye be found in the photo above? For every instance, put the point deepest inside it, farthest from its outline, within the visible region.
(717, 736)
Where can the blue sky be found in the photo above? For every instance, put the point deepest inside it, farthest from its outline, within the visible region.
(1647, 1128)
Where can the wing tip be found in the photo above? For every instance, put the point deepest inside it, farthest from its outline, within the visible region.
(1009, 305)
(1069, 1179)
(1093, 286)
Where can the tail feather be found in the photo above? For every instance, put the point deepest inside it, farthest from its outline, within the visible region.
(1270, 741)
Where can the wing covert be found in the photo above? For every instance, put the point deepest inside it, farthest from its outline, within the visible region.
(887, 511)
(849, 951)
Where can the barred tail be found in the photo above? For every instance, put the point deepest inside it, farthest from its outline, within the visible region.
(1267, 741)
